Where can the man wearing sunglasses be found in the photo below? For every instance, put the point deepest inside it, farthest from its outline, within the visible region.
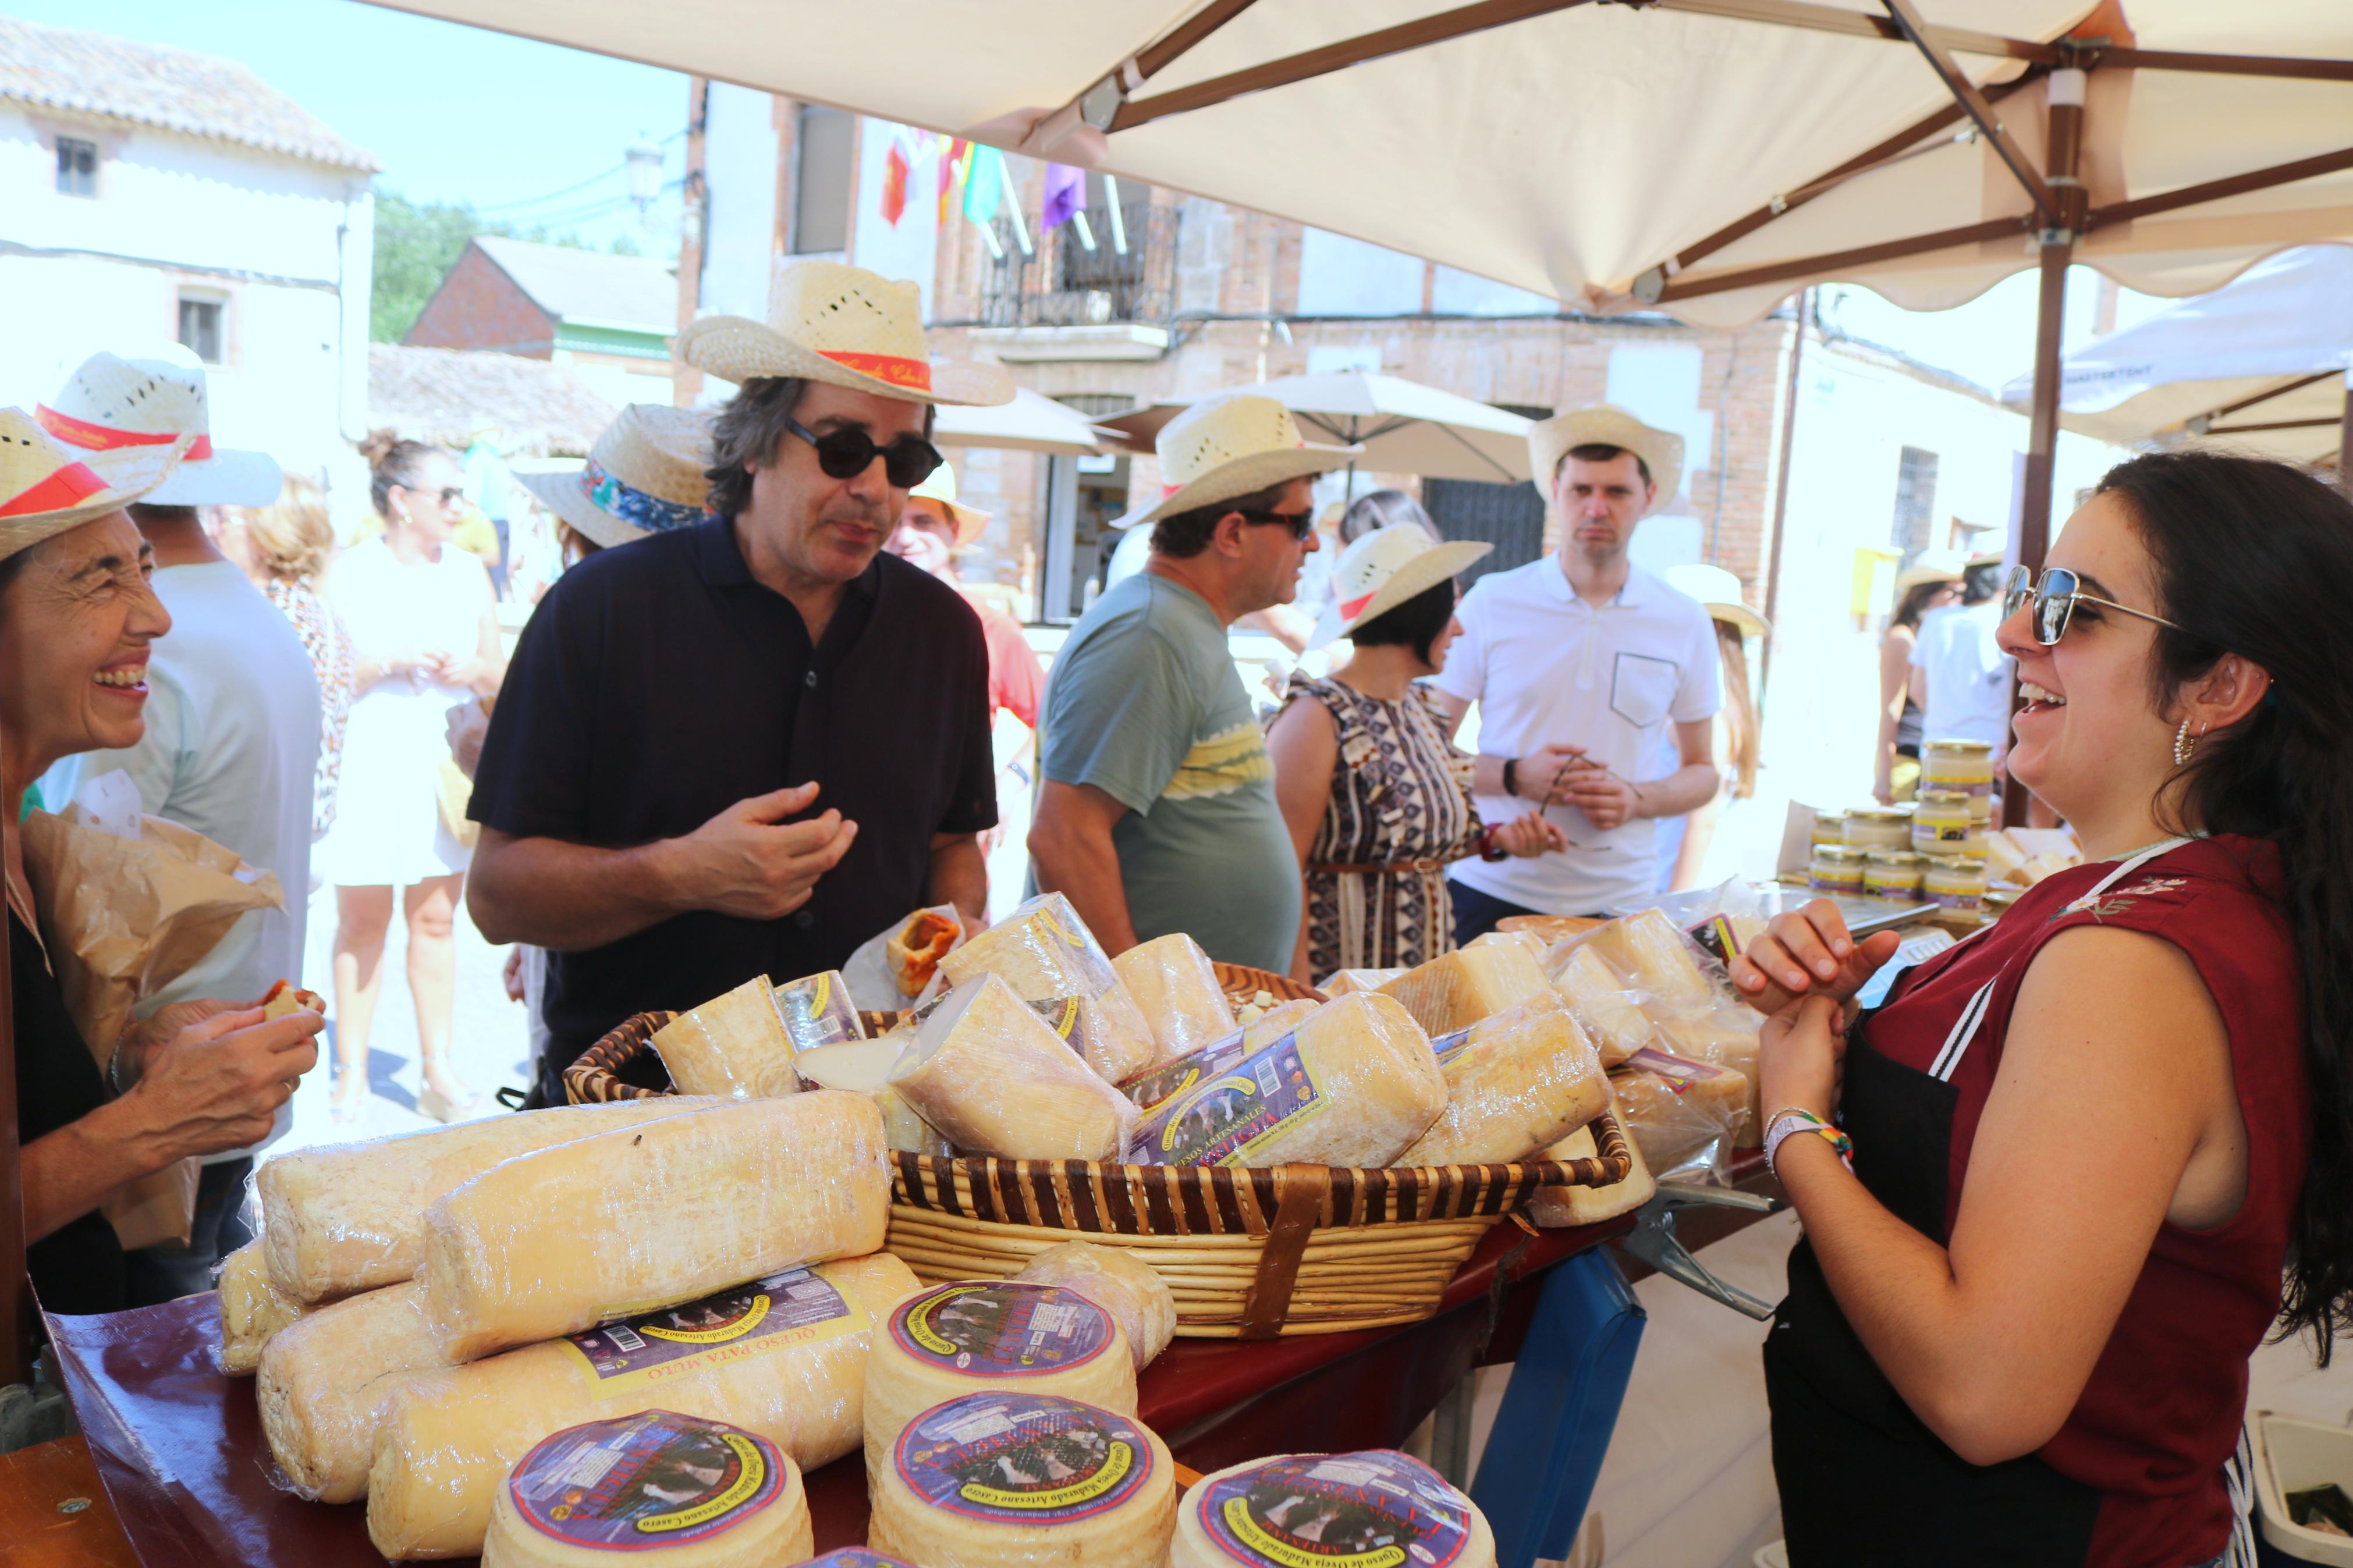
(748, 742)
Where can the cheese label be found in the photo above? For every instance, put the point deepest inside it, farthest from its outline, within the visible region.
(856, 1557)
(818, 1011)
(1006, 1329)
(799, 1307)
(1005, 1459)
(1375, 1510)
(1164, 1083)
(1224, 1119)
(652, 1480)
(1680, 1072)
(1448, 1046)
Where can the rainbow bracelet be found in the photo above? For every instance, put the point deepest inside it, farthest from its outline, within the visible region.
(1793, 1120)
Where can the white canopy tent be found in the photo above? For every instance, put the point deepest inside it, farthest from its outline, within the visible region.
(1030, 423)
(1404, 426)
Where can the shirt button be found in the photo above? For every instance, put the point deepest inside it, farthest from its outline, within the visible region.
(809, 680)
(804, 920)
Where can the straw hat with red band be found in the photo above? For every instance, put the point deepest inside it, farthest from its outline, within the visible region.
(47, 488)
(1227, 448)
(940, 488)
(1385, 568)
(112, 406)
(843, 326)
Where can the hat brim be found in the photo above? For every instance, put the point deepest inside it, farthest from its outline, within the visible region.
(564, 494)
(228, 478)
(1750, 623)
(738, 349)
(131, 474)
(1244, 476)
(1907, 581)
(1550, 440)
(1418, 575)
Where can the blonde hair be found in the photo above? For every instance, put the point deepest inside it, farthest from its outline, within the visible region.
(1739, 711)
(291, 536)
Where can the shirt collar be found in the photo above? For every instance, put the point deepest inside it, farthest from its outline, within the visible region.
(720, 560)
(1632, 595)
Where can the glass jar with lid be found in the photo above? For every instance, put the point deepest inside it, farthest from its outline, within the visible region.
(1960, 767)
(1999, 899)
(1944, 824)
(1898, 876)
(1836, 870)
(1955, 882)
(1878, 828)
(1829, 827)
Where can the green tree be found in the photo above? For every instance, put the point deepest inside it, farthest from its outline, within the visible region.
(417, 243)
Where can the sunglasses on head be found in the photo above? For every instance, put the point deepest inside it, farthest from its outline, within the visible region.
(2054, 600)
(845, 453)
(1301, 523)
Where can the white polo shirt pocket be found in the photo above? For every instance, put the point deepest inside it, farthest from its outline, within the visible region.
(1642, 688)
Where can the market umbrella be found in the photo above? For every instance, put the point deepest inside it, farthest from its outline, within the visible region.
(1030, 423)
(1404, 426)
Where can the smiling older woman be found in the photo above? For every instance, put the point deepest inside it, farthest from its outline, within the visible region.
(77, 618)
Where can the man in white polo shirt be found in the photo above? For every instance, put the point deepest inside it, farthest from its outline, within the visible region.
(1578, 662)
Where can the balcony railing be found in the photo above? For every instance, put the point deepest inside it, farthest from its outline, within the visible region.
(1128, 275)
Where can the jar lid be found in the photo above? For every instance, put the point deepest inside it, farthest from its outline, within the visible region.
(1966, 748)
(1956, 863)
(1945, 797)
(1905, 860)
(1878, 814)
(2002, 897)
(1841, 854)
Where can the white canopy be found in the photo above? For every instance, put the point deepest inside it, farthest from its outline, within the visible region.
(1405, 427)
(1030, 423)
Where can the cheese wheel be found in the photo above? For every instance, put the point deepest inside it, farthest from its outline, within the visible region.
(1648, 949)
(351, 1217)
(977, 1334)
(990, 1074)
(863, 1067)
(819, 1010)
(558, 1241)
(1043, 950)
(1378, 1506)
(735, 1046)
(1014, 1479)
(1119, 1282)
(784, 1356)
(1597, 994)
(1515, 1083)
(670, 1490)
(1555, 1207)
(1678, 1109)
(1174, 985)
(325, 1382)
(1354, 1083)
(251, 1309)
(1455, 990)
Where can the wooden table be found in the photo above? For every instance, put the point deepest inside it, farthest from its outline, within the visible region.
(54, 1513)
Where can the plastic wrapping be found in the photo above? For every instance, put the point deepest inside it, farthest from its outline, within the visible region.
(326, 1381)
(351, 1216)
(1515, 1083)
(1657, 958)
(987, 1072)
(1726, 1037)
(1601, 999)
(1527, 942)
(819, 1010)
(670, 1490)
(1298, 1509)
(1156, 1087)
(734, 1047)
(899, 965)
(1119, 1283)
(251, 1309)
(967, 1486)
(784, 1356)
(1685, 1115)
(1455, 990)
(554, 1242)
(1176, 989)
(1554, 1209)
(863, 1067)
(1044, 950)
(1341, 982)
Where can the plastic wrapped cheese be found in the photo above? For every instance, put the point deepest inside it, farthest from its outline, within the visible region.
(819, 1010)
(1341, 982)
(1285, 1512)
(863, 1067)
(351, 1216)
(1044, 950)
(981, 1334)
(1515, 1083)
(558, 1241)
(856, 1557)
(666, 1490)
(1119, 1282)
(1597, 994)
(784, 1356)
(1455, 990)
(251, 1309)
(733, 1045)
(1174, 985)
(1354, 1083)
(1557, 1207)
(1651, 953)
(326, 1381)
(1681, 1112)
(1017, 1480)
(988, 1073)
(1155, 1087)
(1527, 941)
(1726, 1037)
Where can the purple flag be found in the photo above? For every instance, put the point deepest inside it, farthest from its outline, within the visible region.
(1066, 193)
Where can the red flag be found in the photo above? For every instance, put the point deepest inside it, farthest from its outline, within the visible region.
(894, 182)
(951, 171)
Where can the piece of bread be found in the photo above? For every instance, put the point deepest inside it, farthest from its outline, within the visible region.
(285, 997)
(914, 952)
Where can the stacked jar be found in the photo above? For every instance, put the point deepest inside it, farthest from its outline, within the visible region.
(1878, 828)
(1837, 869)
(1959, 767)
(1954, 881)
(1899, 876)
(1945, 823)
(1829, 827)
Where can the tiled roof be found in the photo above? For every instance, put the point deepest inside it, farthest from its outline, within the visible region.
(442, 395)
(197, 95)
(590, 285)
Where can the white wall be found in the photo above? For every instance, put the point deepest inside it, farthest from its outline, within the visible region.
(1343, 277)
(739, 163)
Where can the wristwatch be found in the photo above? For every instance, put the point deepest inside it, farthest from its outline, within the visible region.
(1511, 775)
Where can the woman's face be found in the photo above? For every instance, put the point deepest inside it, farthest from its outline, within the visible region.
(75, 626)
(1946, 593)
(432, 508)
(1444, 640)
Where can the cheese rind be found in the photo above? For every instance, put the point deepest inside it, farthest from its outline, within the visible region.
(1176, 989)
(1515, 1083)
(1119, 1282)
(1278, 1513)
(733, 1045)
(1043, 950)
(326, 1381)
(792, 1369)
(1455, 990)
(554, 1242)
(1341, 982)
(1596, 994)
(989, 1075)
(1555, 1207)
(251, 1309)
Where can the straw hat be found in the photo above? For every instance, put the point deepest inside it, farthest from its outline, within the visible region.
(47, 488)
(1718, 593)
(1550, 440)
(941, 487)
(113, 405)
(1224, 447)
(1385, 568)
(645, 475)
(846, 327)
(1930, 566)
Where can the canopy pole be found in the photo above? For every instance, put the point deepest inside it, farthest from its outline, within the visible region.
(2345, 440)
(2065, 143)
(16, 1313)
(1781, 491)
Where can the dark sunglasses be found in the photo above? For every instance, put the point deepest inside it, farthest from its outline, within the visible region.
(450, 495)
(844, 454)
(2055, 601)
(1301, 523)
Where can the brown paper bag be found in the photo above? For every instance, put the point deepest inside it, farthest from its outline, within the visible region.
(122, 920)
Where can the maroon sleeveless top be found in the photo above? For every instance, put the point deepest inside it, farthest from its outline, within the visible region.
(2162, 1411)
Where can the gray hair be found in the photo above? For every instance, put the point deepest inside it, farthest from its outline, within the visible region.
(1181, 535)
(747, 432)
(1383, 508)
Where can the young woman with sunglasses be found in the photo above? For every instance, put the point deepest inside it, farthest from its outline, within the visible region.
(2059, 1186)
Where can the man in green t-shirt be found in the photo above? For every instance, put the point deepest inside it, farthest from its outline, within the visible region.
(1157, 811)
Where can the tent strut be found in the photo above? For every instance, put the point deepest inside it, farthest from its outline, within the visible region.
(1957, 82)
(1856, 24)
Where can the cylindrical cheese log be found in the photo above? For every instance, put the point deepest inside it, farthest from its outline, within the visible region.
(1599, 997)
(988, 1073)
(555, 1242)
(1043, 951)
(668, 1490)
(1116, 1279)
(976, 1334)
(1375, 1506)
(1354, 1084)
(326, 1381)
(1177, 992)
(1017, 1480)
(733, 1045)
(1515, 1083)
(339, 1220)
(251, 1309)
(1557, 1207)
(782, 1356)
(1455, 990)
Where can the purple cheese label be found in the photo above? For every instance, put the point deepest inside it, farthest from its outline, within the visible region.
(1152, 1090)
(1040, 1460)
(1006, 1329)
(1373, 1509)
(795, 1308)
(653, 1480)
(1231, 1112)
(856, 1557)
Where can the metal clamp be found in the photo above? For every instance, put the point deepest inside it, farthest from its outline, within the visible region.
(1653, 1240)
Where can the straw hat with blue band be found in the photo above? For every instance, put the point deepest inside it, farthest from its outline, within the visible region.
(644, 476)
(47, 488)
(111, 407)
(843, 326)
(1223, 449)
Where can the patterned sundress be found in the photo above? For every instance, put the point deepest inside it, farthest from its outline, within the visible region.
(337, 666)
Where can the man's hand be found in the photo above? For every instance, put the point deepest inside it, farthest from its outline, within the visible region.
(1543, 775)
(467, 727)
(510, 977)
(1607, 800)
(748, 862)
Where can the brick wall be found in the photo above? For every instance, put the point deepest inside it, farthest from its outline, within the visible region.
(477, 306)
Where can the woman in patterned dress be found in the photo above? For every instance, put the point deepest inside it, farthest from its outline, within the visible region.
(1377, 798)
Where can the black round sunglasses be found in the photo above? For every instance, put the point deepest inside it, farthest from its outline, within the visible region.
(845, 453)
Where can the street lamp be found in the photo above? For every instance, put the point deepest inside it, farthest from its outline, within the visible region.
(644, 162)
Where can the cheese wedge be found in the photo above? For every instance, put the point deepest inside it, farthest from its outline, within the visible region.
(1515, 1083)
(819, 1010)
(1555, 1208)
(1341, 982)
(1457, 989)
(1527, 941)
(733, 1045)
(1174, 985)
(1118, 1281)
(1597, 994)
(251, 1309)
(1678, 1111)
(784, 1356)
(1727, 1038)
(1303, 1508)
(863, 1067)
(987, 1072)
(351, 1216)
(555, 1242)
(326, 1381)
(1651, 953)
(1044, 950)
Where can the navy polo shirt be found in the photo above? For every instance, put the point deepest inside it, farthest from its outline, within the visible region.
(659, 683)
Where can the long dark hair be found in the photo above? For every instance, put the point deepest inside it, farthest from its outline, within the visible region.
(2255, 558)
(1915, 603)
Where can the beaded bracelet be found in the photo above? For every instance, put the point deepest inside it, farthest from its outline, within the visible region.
(1793, 1120)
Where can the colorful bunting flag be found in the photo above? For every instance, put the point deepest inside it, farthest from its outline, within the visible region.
(984, 186)
(895, 181)
(1066, 193)
(952, 172)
